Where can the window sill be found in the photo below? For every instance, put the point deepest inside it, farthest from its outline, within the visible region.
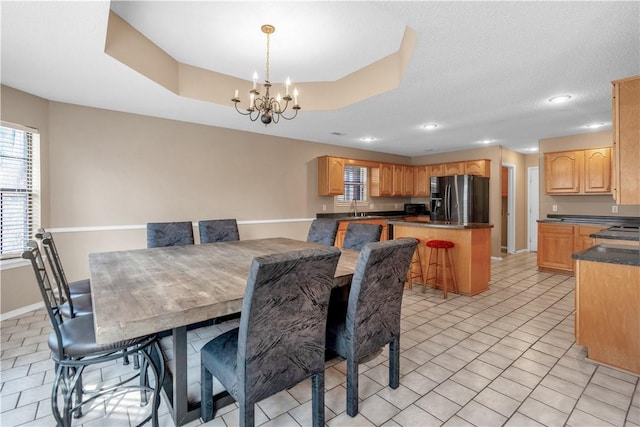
(8, 264)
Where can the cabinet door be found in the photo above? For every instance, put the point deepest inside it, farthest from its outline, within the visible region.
(436, 170)
(386, 179)
(330, 176)
(626, 140)
(407, 181)
(563, 171)
(597, 170)
(478, 167)
(398, 175)
(421, 181)
(582, 239)
(555, 246)
(454, 169)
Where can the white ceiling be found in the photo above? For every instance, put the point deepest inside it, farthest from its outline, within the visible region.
(481, 70)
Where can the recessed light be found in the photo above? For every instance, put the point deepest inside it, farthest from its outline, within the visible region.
(487, 141)
(367, 139)
(532, 149)
(559, 99)
(594, 125)
(429, 126)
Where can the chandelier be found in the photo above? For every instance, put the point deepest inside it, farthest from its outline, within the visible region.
(267, 108)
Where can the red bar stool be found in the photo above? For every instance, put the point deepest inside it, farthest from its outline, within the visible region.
(417, 273)
(435, 247)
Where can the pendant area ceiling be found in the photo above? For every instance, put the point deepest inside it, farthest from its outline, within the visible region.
(480, 70)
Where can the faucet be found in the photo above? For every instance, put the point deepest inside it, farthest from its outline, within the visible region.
(355, 207)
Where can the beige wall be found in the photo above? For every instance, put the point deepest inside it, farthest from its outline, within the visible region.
(105, 174)
(578, 205)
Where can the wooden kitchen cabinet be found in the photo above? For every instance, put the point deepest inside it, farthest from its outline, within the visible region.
(398, 181)
(436, 170)
(557, 242)
(456, 168)
(597, 170)
(421, 176)
(555, 246)
(562, 172)
(407, 180)
(381, 180)
(330, 176)
(342, 229)
(478, 167)
(626, 141)
(578, 172)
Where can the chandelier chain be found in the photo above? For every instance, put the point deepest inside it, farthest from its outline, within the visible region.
(268, 48)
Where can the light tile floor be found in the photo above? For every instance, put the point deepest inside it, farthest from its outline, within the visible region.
(504, 357)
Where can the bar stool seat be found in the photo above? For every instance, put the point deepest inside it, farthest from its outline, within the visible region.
(416, 273)
(435, 246)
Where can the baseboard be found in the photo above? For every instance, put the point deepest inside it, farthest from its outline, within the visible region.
(21, 310)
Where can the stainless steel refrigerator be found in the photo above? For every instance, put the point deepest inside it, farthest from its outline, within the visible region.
(460, 198)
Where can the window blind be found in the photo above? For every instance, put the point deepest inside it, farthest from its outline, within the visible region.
(17, 190)
(355, 184)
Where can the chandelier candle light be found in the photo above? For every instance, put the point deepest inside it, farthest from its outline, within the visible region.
(267, 108)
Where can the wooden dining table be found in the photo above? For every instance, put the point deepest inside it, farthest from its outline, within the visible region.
(147, 291)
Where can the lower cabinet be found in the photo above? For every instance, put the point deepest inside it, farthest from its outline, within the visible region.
(557, 242)
(342, 229)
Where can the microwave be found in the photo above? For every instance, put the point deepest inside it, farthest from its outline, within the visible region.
(415, 209)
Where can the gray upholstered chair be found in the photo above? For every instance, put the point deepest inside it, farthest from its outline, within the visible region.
(218, 230)
(323, 231)
(371, 318)
(78, 287)
(73, 305)
(359, 234)
(73, 346)
(162, 234)
(281, 337)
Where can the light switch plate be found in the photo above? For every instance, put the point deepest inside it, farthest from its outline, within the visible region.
(614, 209)
(554, 208)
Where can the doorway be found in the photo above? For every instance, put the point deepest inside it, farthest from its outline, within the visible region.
(509, 207)
(533, 202)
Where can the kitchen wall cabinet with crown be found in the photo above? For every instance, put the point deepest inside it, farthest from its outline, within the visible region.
(578, 172)
(626, 141)
(393, 180)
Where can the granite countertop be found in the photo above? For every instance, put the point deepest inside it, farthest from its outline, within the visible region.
(612, 254)
(443, 224)
(632, 235)
(342, 216)
(591, 219)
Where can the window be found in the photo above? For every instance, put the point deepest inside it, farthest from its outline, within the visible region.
(19, 186)
(355, 185)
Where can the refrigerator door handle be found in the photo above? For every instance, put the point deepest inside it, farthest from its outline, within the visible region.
(447, 203)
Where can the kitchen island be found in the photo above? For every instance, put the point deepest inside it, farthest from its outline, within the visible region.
(608, 304)
(471, 254)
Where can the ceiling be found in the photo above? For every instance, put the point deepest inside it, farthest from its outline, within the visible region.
(480, 70)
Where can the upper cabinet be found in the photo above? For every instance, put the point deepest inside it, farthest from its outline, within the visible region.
(402, 180)
(562, 172)
(421, 175)
(597, 170)
(578, 172)
(478, 167)
(456, 168)
(330, 176)
(626, 141)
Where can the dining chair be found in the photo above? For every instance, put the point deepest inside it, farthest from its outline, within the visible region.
(73, 347)
(162, 234)
(71, 305)
(78, 287)
(359, 234)
(371, 318)
(323, 231)
(281, 337)
(218, 230)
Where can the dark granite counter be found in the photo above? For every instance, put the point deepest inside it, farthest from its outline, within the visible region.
(443, 224)
(632, 235)
(592, 219)
(343, 216)
(612, 254)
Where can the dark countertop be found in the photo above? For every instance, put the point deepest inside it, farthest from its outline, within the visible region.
(343, 216)
(632, 235)
(612, 254)
(443, 224)
(591, 219)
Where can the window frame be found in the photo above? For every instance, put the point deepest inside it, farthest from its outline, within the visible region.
(19, 189)
(341, 201)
